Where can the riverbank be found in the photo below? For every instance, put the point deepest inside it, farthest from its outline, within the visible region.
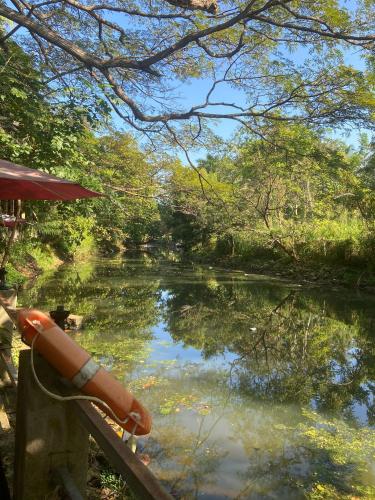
(33, 261)
(30, 266)
(29, 261)
(315, 274)
(301, 273)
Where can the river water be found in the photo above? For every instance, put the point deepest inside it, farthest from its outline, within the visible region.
(258, 388)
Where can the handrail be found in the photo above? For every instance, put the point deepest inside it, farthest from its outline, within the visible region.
(139, 477)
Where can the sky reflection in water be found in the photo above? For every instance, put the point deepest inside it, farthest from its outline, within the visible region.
(258, 388)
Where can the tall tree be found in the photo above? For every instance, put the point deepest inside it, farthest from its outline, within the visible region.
(37, 131)
(129, 178)
(136, 54)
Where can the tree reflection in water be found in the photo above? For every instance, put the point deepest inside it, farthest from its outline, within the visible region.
(258, 389)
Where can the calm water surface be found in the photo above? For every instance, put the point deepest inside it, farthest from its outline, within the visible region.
(258, 388)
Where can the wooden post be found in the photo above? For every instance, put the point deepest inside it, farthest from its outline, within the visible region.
(49, 435)
(6, 334)
(6, 324)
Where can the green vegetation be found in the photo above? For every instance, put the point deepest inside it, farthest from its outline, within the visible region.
(63, 139)
(292, 199)
(280, 196)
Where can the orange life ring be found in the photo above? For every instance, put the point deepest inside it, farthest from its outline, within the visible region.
(75, 364)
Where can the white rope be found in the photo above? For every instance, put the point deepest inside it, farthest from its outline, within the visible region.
(132, 415)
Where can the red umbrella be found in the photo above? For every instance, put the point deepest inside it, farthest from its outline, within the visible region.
(22, 183)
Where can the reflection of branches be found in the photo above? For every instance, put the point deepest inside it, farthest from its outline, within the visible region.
(262, 337)
(290, 363)
(283, 351)
(200, 441)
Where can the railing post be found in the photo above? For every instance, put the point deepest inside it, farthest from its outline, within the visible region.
(6, 331)
(49, 435)
(6, 324)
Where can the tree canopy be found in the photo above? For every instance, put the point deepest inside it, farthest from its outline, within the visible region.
(254, 61)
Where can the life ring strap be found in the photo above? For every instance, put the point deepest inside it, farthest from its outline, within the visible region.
(85, 374)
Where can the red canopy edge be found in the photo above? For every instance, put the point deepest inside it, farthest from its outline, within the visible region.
(22, 183)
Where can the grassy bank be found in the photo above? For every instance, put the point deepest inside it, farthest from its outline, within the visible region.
(344, 259)
(28, 260)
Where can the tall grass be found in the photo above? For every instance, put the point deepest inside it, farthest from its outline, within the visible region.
(345, 241)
